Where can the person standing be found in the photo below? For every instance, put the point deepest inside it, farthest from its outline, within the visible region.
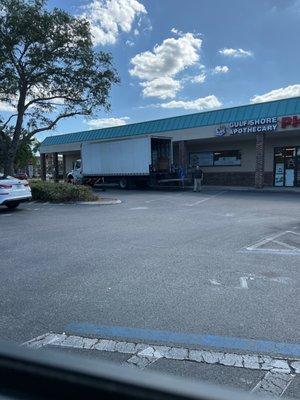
(198, 177)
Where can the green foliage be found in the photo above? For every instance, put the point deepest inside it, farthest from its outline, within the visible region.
(49, 71)
(60, 192)
(25, 153)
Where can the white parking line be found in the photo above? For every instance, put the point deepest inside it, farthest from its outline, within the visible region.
(197, 202)
(288, 246)
(206, 199)
(274, 383)
(243, 282)
(214, 282)
(289, 249)
(264, 241)
(139, 208)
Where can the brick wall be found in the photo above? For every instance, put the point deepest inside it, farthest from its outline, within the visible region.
(260, 160)
(269, 178)
(229, 178)
(235, 178)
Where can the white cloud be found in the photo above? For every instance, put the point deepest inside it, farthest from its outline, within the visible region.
(164, 87)
(110, 17)
(277, 94)
(106, 122)
(168, 58)
(177, 32)
(199, 78)
(236, 53)
(221, 69)
(158, 67)
(291, 8)
(129, 43)
(200, 104)
(6, 107)
(136, 32)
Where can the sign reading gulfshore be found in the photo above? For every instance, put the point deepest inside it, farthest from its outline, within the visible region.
(254, 125)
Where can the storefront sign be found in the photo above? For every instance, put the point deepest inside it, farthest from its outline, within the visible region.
(279, 174)
(258, 125)
(254, 125)
(250, 126)
(288, 122)
(221, 130)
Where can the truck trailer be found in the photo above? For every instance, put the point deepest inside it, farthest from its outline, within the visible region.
(138, 161)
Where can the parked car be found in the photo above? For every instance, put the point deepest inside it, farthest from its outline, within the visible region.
(13, 191)
(21, 175)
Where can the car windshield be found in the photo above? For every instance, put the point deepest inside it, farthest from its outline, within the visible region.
(150, 186)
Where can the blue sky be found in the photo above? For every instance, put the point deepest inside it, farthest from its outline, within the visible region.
(177, 57)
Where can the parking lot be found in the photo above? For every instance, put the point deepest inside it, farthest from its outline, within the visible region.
(216, 270)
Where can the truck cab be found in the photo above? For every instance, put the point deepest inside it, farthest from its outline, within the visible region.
(75, 175)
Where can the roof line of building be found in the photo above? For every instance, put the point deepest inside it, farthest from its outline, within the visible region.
(177, 116)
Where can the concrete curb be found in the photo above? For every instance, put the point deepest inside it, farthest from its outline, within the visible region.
(101, 202)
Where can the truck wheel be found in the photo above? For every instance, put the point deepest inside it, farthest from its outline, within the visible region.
(70, 179)
(123, 183)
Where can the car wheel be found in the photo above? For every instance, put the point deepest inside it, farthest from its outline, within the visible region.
(12, 206)
(70, 179)
(123, 183)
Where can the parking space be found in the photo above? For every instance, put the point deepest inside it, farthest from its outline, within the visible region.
(215, 263)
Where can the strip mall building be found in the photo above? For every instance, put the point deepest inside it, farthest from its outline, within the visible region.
(252, 145)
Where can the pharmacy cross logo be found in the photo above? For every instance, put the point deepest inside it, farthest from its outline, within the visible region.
(221, 130)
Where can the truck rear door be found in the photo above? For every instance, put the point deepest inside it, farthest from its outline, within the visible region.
(161, 154)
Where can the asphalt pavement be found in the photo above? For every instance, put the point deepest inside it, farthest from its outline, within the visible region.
(215, 270)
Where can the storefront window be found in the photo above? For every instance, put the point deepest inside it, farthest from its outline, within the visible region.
(204, 159)
(227, 157)
(215, 158)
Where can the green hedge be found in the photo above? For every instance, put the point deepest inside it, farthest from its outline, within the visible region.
(60, 192)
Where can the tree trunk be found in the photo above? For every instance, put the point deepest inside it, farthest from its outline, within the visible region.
(8, 162)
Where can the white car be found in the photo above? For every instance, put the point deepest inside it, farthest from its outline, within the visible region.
(13, 191)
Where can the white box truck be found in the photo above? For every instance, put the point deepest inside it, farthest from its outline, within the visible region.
(135, 161)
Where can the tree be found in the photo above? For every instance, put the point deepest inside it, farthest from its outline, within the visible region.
(49, 71)
(26, 154)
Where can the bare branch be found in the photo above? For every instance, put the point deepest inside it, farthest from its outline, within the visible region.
(53, 123)
(7, 122)
(43, 99)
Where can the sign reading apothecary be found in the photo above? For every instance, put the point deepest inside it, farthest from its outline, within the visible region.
(254, 125)
(248, 126)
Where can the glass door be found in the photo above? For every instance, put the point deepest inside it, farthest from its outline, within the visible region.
(297, 169)
(279, 166)
(289, 163)
(286, 166)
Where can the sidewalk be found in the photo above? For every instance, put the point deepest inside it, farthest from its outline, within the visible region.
(270, 189)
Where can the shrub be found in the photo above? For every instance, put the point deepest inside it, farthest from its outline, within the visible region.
(60, 192)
